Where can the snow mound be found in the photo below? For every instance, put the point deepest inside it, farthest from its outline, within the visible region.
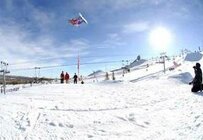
(196, 56)
(182, 77)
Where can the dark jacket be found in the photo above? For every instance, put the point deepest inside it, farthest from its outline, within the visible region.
(62, 75)
(198, 77)
(67, 76)
(75, 77)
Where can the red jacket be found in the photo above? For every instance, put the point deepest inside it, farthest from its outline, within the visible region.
(67, 76)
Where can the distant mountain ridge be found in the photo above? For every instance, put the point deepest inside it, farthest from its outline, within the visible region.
(96, 73)
(10, 79)
(195, 56)
(136, 63)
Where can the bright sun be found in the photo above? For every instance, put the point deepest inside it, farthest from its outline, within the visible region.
(160, 38)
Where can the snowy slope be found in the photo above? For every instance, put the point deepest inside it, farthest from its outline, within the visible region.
(144, 104)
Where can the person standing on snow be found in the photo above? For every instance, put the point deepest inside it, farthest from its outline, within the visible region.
(197, 81)
(62, 77)
(75, 77)
(67, 77)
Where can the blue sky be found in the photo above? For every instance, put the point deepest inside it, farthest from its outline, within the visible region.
(36, 33)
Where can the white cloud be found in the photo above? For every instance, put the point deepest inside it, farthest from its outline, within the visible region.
(97, 60)
(43, 19)
(79, 44)
(15, 48)
(9, 5)
(113, 36)
(113, 40)
(115, 5)
(136, 27)
(75, 46)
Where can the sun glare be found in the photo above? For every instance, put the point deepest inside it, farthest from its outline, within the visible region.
(160, 38)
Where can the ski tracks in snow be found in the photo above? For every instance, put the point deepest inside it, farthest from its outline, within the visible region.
(45, 122)
(103, 112)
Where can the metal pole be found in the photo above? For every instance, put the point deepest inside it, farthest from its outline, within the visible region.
(4, 82)
(164, 64)
(4, 71)
(36, 74)
(163, 56)
(39, 72)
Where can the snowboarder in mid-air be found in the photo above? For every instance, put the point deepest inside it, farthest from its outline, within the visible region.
(197, 81)
(77, 20)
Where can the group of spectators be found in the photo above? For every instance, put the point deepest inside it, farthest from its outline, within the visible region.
(65, 77)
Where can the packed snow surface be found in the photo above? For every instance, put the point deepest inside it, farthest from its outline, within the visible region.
(145, 104)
